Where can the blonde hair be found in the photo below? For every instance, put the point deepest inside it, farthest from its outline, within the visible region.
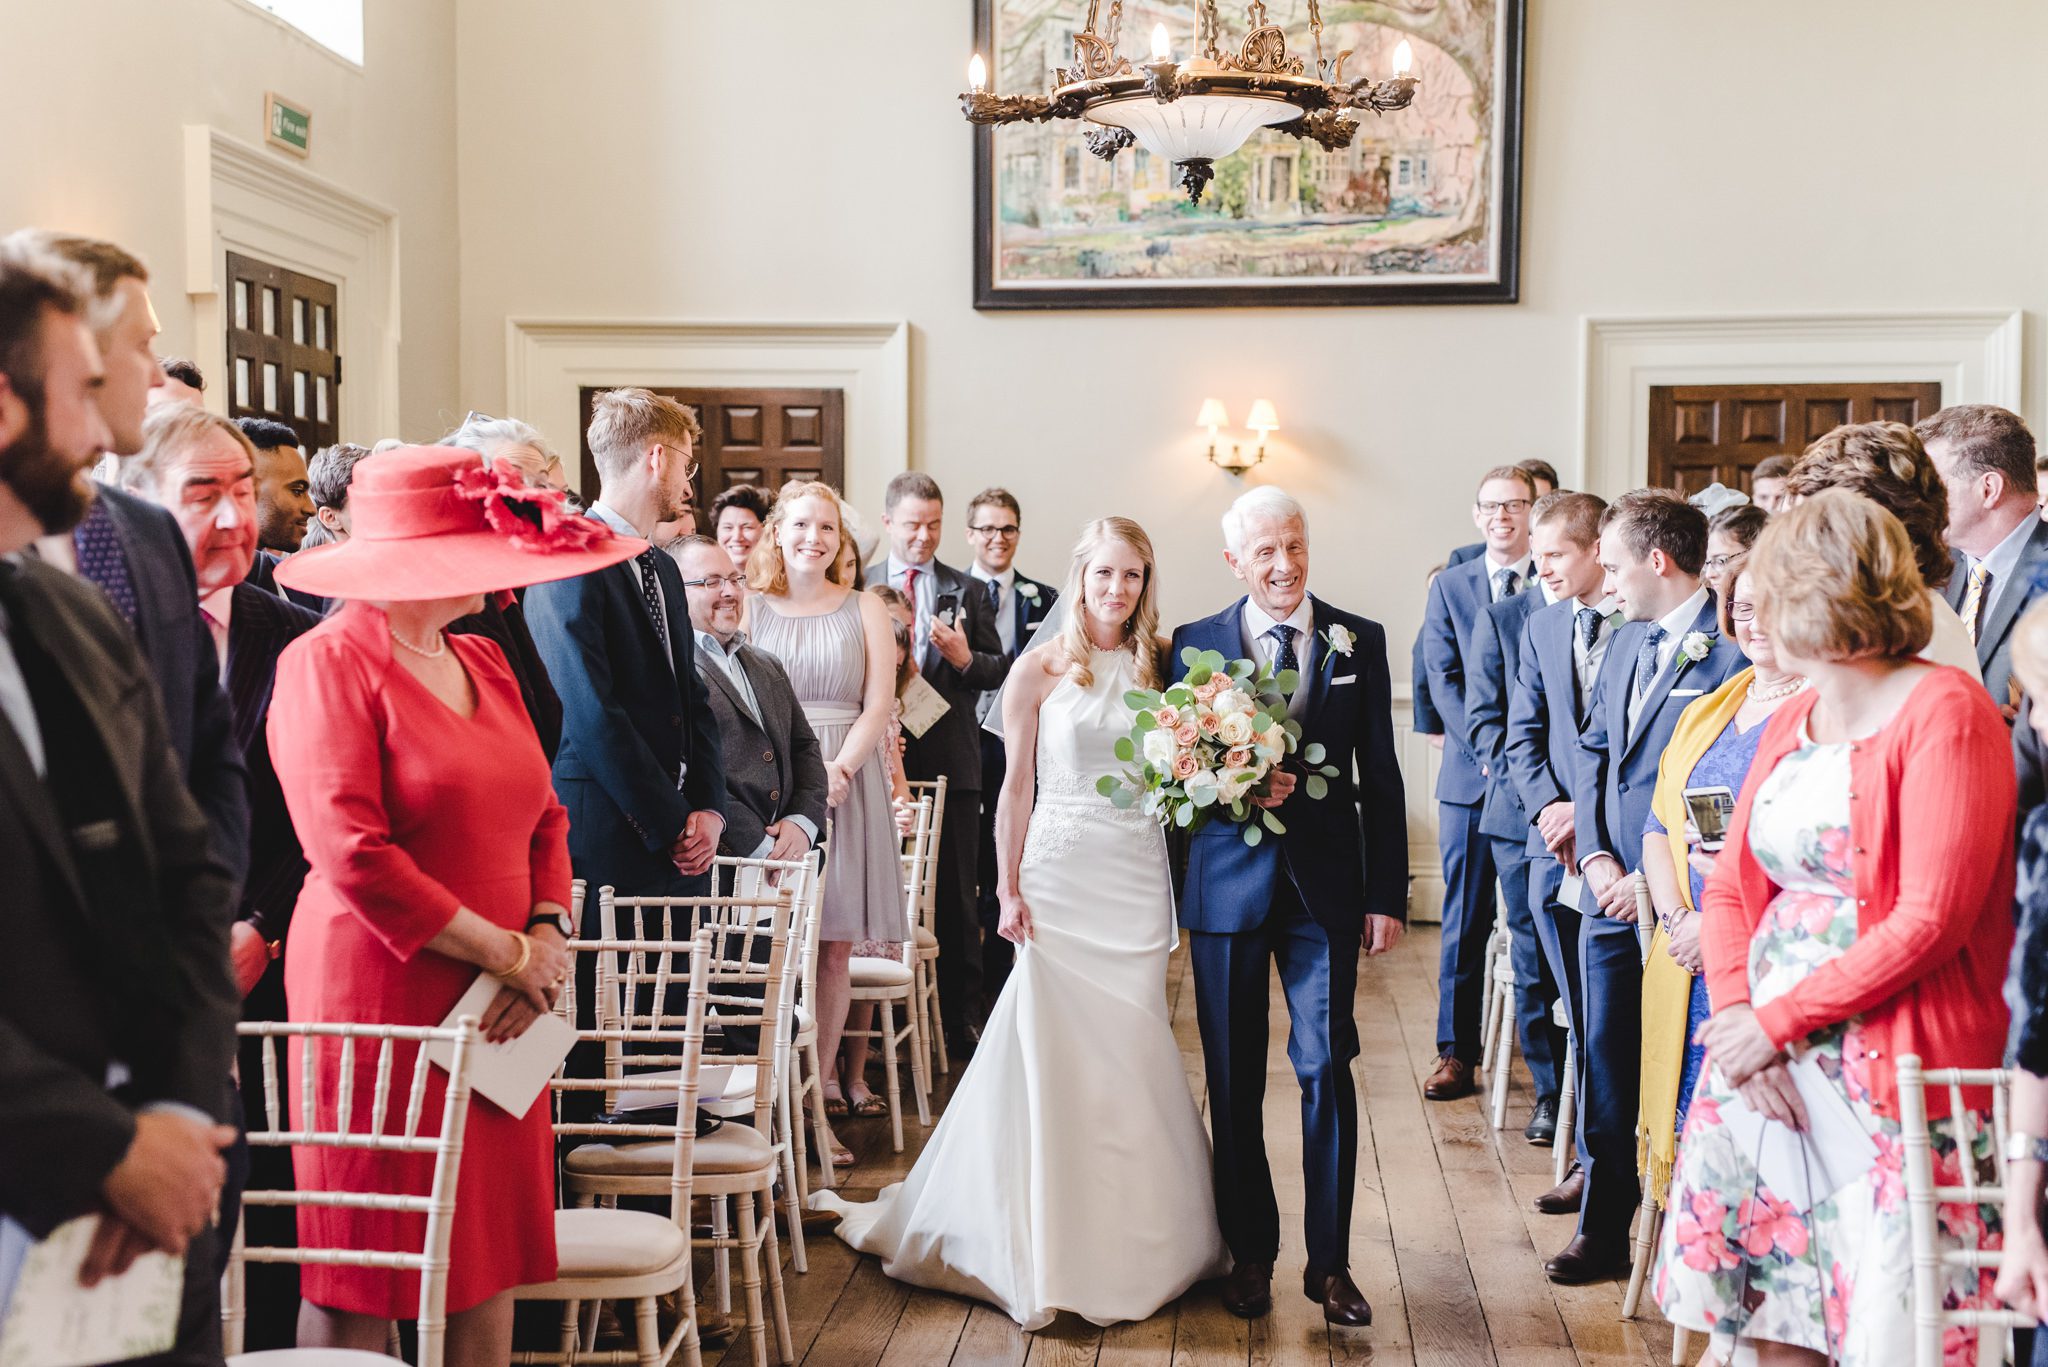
(623, 421)
(1143, 626)
(767, 571)
(1834, 578)
(169, 429)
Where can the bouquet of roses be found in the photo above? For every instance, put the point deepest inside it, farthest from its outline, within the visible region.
(1208, 743)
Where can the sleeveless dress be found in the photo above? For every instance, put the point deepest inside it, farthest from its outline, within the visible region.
(1737, 1260)
(1071, 1169)
(826, 657)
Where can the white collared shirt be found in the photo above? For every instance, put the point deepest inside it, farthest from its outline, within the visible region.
(1524, 569)
(1006, 602)
(922, 595)
(1303, 619)
(218, 608)
(1676, 624)
(2002, 562)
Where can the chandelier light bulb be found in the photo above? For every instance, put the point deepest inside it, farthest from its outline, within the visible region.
(977, 74)
(1404, 58)
(1162, 45)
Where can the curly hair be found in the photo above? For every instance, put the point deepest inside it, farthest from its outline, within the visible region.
(767, 571)
(1884, 462)
(1835, 578)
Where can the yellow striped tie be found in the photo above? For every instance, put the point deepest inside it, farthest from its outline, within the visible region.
(1973, 598)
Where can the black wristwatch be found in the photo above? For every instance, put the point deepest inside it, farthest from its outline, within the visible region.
(556, 920)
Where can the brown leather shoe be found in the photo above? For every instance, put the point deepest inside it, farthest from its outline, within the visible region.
(1248, 1291)
(1342, 1301)
(1589, 1258)
(1452, 1079)
(1564, 1198)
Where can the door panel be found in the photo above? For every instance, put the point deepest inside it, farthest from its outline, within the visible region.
(1700, 434)
(756, 436)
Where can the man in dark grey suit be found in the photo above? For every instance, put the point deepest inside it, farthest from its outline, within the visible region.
(1986, 458)
(958, 650)
(116, 1008)
(774, 771)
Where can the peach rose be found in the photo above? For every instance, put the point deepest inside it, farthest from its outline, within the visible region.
(1208, 721)
(1207, 692)
(1239, 757)
(1167, 716)
(1186, 734)
(1185, 765)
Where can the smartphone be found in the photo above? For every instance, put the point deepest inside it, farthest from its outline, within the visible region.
(947, 609)
(1711, 809)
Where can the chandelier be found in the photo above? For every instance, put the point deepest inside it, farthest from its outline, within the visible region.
(1192, 113)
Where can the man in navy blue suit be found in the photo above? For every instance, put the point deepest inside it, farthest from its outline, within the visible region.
(1562, 647)
(1308, 899)
(1670, 652)
(1457, 601)
(639, 767)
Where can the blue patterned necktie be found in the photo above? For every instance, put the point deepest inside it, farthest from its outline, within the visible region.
(101, 559)
(1589, 627)
(1509, 581)
(1284, 658)
(1646, 659)
(995, 595)
(653, 595)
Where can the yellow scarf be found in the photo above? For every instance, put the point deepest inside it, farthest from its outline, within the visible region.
(1667, 988)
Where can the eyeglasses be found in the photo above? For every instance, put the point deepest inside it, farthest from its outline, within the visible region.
(690, 467)
(1510, 505)
(1006, 532)
(1717, 563)
(717, 581)
(1741, 612)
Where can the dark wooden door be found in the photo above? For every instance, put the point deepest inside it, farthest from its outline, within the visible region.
(757, 436)
(1701, 433)
(284, 349)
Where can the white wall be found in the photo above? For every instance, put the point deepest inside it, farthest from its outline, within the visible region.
(95, 94)
(804, 159)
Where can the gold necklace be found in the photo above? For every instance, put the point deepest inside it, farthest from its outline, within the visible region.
(1776, 691)
(440, 645)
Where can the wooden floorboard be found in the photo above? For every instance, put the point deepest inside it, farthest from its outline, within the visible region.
(1444, 1239)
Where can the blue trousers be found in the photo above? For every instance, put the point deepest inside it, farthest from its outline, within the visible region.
(1611, 1047)
(1319, 973)
(1557, 930)
(1468, 921)
(1535, 989)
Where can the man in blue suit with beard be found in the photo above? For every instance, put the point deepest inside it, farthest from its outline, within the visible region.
(1669, 653)
(1308, 899)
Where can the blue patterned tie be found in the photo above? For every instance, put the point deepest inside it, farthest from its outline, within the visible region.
(101, 559)
(1589, 627)
(1646, 659)
(995, 595)
(1284, 658)
(653, 596)
(1509, 581)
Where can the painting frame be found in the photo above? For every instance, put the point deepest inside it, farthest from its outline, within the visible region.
(1326, 292)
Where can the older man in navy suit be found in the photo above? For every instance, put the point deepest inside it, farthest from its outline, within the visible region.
(1457, 601)
(1652, 546)
(1305, 899)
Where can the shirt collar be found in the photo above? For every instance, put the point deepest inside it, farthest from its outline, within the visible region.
(709, 641)
(1605, 607)
(220, 604)
(898, 568)
(1302, 619)
(1521, 567)
(612, 520)
(1008, 578)
(1680, 619)
(2004, 558)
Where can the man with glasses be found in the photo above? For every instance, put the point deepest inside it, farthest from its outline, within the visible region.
(1457, 602)
(1019, 605)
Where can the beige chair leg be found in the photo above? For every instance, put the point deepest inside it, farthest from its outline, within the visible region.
(792, 1203)
(721, 1257)
(777, 1305)
(938, 1030)
(570, 1330)
(650, 1332)
(1681, 1347)
(798, 1134)
(821, 1127)
(1648, 1220)
(920, 1067)
(888, 1043)
(750, 1279)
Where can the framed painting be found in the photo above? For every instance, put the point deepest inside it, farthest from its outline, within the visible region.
(1423, 206)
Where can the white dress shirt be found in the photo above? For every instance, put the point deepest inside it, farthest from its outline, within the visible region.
(1261, 646)
(1524, 569)
(922, 595)
(1676, 624)
(1006, 603)
(218, 608)
(2002, 562)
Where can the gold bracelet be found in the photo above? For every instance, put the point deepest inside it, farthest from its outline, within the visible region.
(525, 958)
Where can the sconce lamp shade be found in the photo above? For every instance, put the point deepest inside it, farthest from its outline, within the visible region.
(1262, 418)
(1212, 415)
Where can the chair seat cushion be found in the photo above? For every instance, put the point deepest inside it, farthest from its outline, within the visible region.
(314, 1357)
(590, 1244)
(729, 1148)
(878, 973)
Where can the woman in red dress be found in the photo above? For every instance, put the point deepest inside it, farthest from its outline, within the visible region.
(438, 851)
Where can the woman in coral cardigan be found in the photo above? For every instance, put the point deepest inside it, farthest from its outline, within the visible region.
(1861, 911)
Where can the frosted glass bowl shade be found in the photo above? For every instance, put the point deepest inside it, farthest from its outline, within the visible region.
(1193, 127)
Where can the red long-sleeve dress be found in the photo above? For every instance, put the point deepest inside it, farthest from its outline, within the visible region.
(408, 812)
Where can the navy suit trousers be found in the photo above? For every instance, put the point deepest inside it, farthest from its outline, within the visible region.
(1535, 989)
(1468, 921)
(1319, 973)
(1611, 1051)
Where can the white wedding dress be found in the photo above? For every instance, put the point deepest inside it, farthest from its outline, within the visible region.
(1071, 1169)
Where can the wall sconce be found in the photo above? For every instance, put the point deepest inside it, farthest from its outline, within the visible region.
(1261, 420)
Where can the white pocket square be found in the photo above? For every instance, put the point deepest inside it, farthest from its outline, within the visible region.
(1687, 692)
(1348, 678)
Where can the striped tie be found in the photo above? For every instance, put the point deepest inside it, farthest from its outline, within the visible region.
(1973, 599)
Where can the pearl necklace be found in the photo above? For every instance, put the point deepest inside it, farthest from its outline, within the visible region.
(440, 645)
(1777, 691)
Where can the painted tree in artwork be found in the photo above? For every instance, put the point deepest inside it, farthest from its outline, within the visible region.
(1464, 30)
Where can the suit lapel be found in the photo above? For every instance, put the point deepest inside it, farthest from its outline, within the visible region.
(722, 681)
(21, 789)
(1667, 679)
(2008, 603)
(252, 662)
(1317, 682)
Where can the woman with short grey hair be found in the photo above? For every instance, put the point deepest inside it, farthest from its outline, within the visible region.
(514, 441)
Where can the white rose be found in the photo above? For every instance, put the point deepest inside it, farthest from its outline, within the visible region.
(1236, 700)
(1341, 640)
(1204, 782)
(1235, 729)
(1159, 748)
(1234, 784)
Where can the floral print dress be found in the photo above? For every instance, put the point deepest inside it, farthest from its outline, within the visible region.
(1737, 1261)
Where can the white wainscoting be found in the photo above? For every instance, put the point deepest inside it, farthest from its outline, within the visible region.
(1419, 764)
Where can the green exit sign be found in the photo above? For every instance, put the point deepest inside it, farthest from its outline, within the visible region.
(286, 125)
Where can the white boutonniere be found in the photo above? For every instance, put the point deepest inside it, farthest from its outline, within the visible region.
(1695, 647)
(1025, 590)
(1340, 640)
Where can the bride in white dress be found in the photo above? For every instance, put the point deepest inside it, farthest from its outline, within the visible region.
(1071, 1169)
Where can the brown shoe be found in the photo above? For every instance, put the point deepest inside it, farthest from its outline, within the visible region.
(1248, 1291)
(1564, 1198)
(1342, 1301)
(1452, 1079)
(1588, 1258)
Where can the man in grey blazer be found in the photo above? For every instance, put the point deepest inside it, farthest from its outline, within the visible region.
(1986, 458)
(774, 770)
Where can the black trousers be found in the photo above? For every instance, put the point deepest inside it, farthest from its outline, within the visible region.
(959, 925)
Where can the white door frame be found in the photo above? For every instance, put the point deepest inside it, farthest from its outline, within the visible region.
(240, 198)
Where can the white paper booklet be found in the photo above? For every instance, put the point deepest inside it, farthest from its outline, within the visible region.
(52, 1321)
(1804, 1168)
(923, 705)
(513, 1073)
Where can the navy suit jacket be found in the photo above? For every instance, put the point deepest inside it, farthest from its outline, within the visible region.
(1994, 632)
(179, 649)
(1496, 659)
(1427, 722)
(630, 719)
(1347, 853)
(1457, 600)
(1545, 715)
(1617, 771)
(1464, 553)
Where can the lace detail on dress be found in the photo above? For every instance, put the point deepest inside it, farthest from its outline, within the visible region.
(1067, 805)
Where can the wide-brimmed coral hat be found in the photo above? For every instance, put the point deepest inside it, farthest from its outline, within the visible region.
(431, 522)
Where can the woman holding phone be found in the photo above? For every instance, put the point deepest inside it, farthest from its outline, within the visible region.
(1712, 749)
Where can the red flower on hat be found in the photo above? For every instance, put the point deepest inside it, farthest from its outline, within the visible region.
(532, 519)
